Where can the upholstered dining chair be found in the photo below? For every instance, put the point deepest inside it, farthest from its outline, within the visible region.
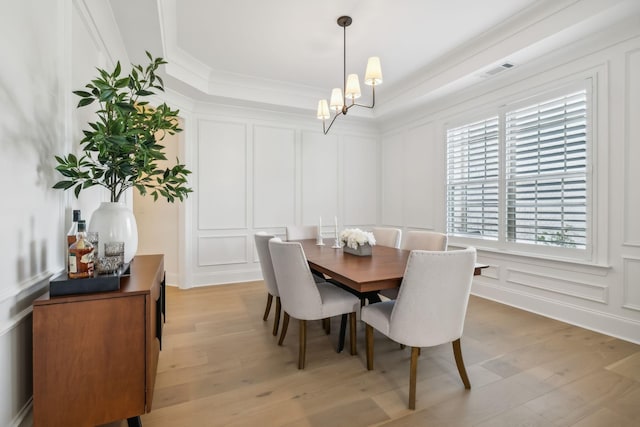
(304, 299)
(424, 241)
(387, 236)
(430, 309)
(301, 232)
(420, 240)
(262, 247)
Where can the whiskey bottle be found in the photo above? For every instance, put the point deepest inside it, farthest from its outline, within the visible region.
(81, 255)
(73, 231)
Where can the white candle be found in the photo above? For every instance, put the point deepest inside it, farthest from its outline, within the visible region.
(320, 225)
(335, 221)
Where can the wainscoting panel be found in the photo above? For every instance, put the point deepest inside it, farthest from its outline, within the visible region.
(393, 179)
(273, 176)
(632, 150)
(557, 285)
(222, 175)
(420, 189)
(319, 178)
(360, 180)
(631, 283)
(222, 250)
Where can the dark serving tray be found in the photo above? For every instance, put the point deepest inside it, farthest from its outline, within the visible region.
(62, 285)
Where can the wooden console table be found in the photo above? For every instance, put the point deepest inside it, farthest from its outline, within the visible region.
(95, 356)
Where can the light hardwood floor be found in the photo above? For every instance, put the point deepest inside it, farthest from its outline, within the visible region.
(221, 366)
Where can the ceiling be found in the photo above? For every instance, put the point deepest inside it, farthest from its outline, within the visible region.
(287, 54)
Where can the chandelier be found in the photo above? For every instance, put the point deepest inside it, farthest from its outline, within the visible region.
(351, 85)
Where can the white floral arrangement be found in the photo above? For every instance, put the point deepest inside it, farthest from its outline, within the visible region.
(354, 237)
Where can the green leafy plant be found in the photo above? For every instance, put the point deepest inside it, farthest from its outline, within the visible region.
(121, 149)
(559, 238)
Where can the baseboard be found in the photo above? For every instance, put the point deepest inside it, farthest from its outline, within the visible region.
(225, 277)
(598, 321)
(24, 418)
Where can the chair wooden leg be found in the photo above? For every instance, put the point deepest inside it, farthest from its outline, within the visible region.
(369, 332)
(457, 353)
(352, 333)
(276, 321)
(285, 325)
(303, 344)
(326, 325)
(415, 353)
(268, 308)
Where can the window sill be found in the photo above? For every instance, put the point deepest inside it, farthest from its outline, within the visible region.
(535, 258)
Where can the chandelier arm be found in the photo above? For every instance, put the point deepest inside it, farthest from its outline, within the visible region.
(373, 101)
(326, 131)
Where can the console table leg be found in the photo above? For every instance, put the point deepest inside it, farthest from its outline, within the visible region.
(134, 422)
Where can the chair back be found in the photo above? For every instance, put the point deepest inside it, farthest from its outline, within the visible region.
(301, 232)
(425, 241)
(266, 265)
(298, 291)
(386, 236)
(432, 302)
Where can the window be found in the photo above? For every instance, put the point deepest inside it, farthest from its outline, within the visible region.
(473, 180)
(520, 177)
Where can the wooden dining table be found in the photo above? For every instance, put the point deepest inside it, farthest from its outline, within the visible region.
(363, 275)
(384, 269)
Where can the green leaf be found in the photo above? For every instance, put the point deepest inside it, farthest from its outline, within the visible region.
(64, 185)
(121, 83)
(82, 93)
(125, 106)
(107, 94)
(116, 72)
(85, 101)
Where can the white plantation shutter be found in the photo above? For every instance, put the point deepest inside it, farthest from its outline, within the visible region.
(473, 180)
(521, 177)
(546, 172)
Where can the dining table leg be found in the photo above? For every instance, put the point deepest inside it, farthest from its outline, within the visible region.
(343, 329)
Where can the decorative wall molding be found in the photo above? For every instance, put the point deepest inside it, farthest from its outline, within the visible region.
(273, 167)
(219, 250)
(631, 283)
(631, 210)
(558, 285)
(222, 160)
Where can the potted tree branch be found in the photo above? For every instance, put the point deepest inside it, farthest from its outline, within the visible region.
(122, 148)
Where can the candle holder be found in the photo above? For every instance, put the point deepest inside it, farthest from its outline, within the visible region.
(319, 241)
(336, 244)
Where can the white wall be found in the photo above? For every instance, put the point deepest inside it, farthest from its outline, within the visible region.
(31, 130)
(159, 221)
(48, 49)
(602, 294)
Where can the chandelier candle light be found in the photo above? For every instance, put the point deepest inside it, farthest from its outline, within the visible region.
(351, 85)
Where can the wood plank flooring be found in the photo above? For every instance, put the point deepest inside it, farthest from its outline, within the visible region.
(221, 366)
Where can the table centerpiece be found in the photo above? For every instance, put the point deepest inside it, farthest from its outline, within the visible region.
(357, 242)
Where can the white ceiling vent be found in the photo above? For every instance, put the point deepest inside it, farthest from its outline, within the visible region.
(498, 69)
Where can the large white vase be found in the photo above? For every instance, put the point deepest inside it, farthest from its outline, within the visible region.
(115, 222)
